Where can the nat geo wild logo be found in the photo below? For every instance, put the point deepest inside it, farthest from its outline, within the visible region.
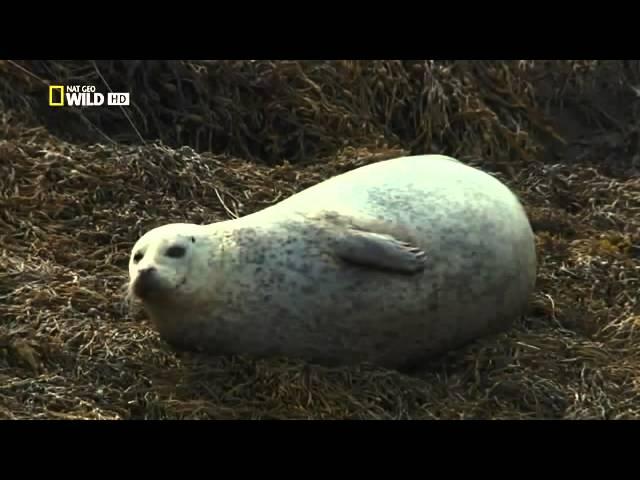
(84, 96)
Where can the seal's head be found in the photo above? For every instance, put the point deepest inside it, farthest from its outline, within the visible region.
(161, 262)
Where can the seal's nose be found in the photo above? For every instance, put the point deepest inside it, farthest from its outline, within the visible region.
(145, 282)
(146, 272)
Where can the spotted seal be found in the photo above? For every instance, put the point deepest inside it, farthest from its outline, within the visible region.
(388, 264)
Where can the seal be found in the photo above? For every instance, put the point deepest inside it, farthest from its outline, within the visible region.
(388, 264)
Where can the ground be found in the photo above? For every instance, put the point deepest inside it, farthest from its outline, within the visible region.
(70, 210)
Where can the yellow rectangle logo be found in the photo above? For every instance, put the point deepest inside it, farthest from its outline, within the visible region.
(60, 89)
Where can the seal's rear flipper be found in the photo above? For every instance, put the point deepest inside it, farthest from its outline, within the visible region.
(379, 251)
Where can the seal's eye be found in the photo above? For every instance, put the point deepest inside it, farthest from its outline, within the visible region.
(193, 239)
(137, 257)
(176, 251)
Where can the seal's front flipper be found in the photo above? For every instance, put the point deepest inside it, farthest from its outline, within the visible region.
(379, 251)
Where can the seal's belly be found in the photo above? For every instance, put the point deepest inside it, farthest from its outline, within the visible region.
(307, 303)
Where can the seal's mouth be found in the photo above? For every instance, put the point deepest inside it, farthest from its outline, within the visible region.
(149, 286)
(143, 288)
